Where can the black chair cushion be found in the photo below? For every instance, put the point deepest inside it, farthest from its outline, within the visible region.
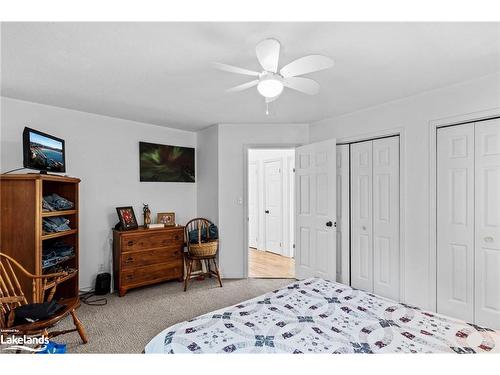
(34, 312)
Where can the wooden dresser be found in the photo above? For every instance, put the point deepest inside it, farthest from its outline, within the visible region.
(147, 256)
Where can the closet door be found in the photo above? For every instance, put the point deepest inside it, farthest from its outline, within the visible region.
(455, 221)
(487, 249)
(386, 217)
(361, 216)
(343, 214)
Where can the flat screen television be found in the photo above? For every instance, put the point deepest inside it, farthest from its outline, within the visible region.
(43, 152)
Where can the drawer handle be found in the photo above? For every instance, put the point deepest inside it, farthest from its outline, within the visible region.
(130, 277)
(130, 243)
(488, 239)
(164, 242)
(177, 237)
(129, 260)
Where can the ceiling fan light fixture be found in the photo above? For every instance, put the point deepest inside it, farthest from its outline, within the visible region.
(272, 81)
(270, 86)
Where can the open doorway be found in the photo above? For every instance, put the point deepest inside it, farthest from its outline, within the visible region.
(271, 213)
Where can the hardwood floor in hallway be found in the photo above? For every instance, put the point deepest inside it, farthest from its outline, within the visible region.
(267, 264)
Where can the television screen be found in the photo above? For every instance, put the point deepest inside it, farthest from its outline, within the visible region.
(43, 152)
(162, 163)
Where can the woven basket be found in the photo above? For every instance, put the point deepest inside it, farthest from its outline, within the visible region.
(204, 249)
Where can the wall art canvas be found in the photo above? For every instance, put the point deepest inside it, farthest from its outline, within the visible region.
(163, 163)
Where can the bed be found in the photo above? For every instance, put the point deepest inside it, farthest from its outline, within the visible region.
(319, 316)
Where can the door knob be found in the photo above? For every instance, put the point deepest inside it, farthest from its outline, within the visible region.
(267, 211)
(363, 227)
(329, 224)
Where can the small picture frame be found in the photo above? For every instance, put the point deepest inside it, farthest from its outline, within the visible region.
(166, 218)
(127, 217)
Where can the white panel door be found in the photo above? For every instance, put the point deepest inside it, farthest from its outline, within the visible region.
(386, 217)
(361, 216)
(273, 205)
(455, 221)
(487, 241)
(315, 210)
(253, 204)
(343, 214)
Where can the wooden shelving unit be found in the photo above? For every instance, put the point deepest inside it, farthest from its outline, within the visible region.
(58, 213)
(66, 259)
(70, 276)
(48, 236)
(21, 233)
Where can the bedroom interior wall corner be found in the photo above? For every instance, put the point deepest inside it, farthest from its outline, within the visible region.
(104, 152)
(207, 197)
(413, 115)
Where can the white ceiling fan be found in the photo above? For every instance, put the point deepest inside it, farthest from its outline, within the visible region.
(271, 82)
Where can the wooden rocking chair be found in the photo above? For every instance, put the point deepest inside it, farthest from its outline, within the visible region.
(12, 296)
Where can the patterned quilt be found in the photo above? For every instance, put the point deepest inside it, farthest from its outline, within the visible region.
(318, 316)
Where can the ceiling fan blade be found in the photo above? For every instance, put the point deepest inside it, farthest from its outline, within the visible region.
(235, 69)
(305, 85)
(268, 54)
(306, 64)
(243, 86)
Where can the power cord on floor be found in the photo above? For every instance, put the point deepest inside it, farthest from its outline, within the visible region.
(91, 299)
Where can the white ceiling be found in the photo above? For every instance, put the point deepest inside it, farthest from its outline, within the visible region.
(161, 73)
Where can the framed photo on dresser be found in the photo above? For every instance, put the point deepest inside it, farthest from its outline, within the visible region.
(127, 218)
(166, 218)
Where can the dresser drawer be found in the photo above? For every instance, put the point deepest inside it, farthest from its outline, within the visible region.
(154, 256)
(153, 273)
(153, 240)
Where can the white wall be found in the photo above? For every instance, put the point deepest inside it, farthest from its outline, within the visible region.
(413, 115)
(287, 157)
(104, 153)
(233, 139)
(207, 176)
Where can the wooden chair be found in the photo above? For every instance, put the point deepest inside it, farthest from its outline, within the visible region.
(12, 296)
(202, 251)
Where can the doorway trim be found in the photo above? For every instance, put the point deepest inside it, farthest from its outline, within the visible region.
(434, 125)
(391, 132)
(257, 181)
(246, 148)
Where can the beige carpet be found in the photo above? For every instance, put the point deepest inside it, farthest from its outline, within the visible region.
(127, 324)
